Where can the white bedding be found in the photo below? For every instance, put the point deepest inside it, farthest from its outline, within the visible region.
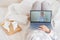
(17, 36)
(3, 36)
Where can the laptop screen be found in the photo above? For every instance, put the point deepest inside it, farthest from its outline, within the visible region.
(40, 16)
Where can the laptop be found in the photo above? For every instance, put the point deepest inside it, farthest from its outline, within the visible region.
(40, 17)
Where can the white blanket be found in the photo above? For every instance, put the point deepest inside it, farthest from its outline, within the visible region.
(38, 35)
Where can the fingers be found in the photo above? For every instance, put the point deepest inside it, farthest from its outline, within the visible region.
(44, 28)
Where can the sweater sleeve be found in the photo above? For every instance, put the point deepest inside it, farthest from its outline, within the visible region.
(53, 35)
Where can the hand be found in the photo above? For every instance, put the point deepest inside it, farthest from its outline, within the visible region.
(44, 28)
(28, 15)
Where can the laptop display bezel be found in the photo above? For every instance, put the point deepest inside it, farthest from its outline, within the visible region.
(39, 21)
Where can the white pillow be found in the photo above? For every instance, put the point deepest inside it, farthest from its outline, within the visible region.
(18, 11)
(22, 19)
(24, 7)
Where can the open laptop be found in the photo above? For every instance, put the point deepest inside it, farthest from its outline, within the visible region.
(40, 17)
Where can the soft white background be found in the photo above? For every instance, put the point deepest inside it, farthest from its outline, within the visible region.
(3, 10)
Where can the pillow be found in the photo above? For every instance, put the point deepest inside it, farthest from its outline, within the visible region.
(24, 7)
(22, 19)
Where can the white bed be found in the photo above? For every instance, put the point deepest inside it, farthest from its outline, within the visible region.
(19, 35)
